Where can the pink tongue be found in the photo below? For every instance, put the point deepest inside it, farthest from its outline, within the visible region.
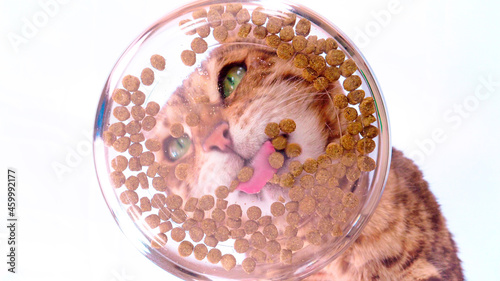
(262, 170)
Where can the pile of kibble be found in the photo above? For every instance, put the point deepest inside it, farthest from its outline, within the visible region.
(312, 188)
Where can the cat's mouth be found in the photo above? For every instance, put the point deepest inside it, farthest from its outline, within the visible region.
(262, 170)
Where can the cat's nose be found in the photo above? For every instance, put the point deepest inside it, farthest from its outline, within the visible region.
(219, 139)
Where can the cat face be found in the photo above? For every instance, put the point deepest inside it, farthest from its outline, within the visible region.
(224, 107)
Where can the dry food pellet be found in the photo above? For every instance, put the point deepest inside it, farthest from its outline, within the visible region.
(279, 142)
(347, 141)
(286, 180)
(196, 233)
(153, 145)
(243, 16)
(324, 161)
(188, 57)
(292, 206)
(209, 226)
(354, 128)
(121, 96)
(234, 211)
(273, 247)
(131, 83)
(367, 120)
(275, 179)
(303, 27)
(203, 30)
(165, 226)
(287, 34)
(237, 233)
(330, 44)
(348, 67)
(174, 201)
(185, 248)
(348, 159)
(366, 164)
(259, 32)
(218, 215)
(339, 215)
(217, 7)
(148, 123)
(121, 113)
(289, 19)
(248, 265)
(135, 149)
(286, 256)
(129, 197)
(191, 204)
(287, 125)
(351, 83)
(320, 47)
(285, 51)
(158, 201)
(295, 168)
(137, 137)
(318, 64)
(254, 213)
(119, 163)
(274, 25)
(134, 164)
(319, 192)
(336, 195)
(178, 234)
(152, 108)
(336, 231)
(147, 158)
(241, 245)
(338, 170)
(294, 243)
(322, 176)
(137, 112)
(176, 130)
(159, 241)
(198, 14)
(187, 24)
(214, 18)
(132, 183)
(206, 202)
(300, 61)
(365, 146)
(307, 205)
(189, 224)
(311, 44)
(290, 231)
(265, 220)
(147, 76)
(220, 34)
(198, 45)
(178, 216)
(222, 233)
(356, 97)
(334, 150)
(323, 208)
(370, 131)
(250, 226)
(309, 74)
(234, 184)
(314, 237)
(228, 261)
(214, 256)
(117, 179)
(234, 8)
(307, 181)
(143, 180)
(118, 129)
(181, 171)
(276, 160)
(293, 150)
(164, 214)
(258, 255)
(157, 62)
(259, 17)
(353, 174)
(335, 57)
(133, 127)
(332, 74)
(152, 220)
(159, 183)
(152, 170)
(270, 231)
(320, 83)
(350, 114)
(221, 192)
(310, 165)
(367, 106)
(281, 199)
(121, 144)
(340, 101)
(293, 218)
(273, 41)
(299, 43)
(258, 240)
(192, 119)
(244, 30)
(277, 209)
(228, 21)
(245, 174)
(221, 204)
(210, 241)
(325, 225)
(200, 251)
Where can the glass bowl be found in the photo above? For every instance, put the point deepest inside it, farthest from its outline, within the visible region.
(242, 140)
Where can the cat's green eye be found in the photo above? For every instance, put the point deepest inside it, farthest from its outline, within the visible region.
(232, 79)
(176, 148)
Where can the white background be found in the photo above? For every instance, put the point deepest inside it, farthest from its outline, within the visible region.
(430, 57)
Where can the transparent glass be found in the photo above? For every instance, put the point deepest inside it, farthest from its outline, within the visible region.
(168, 39)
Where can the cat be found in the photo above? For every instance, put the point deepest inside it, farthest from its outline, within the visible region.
(406, 238)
